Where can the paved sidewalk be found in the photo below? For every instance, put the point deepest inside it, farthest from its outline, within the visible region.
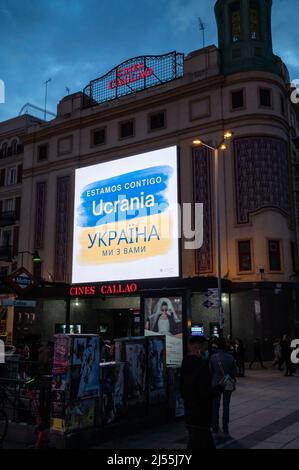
(264, 415)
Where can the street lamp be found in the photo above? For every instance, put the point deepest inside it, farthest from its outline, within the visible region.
(215, 148)
(36, 259)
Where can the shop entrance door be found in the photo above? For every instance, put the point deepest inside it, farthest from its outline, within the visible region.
(123, 324)
(116, 323)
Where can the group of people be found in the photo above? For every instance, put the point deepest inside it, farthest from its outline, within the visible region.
(282, 352)
(282, 355)
(236, 349)
(208, 376)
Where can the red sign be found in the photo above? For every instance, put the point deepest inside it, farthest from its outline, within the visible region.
(21, 281)
(104, 289)
(129, 75)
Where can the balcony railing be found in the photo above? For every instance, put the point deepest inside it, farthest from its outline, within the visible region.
(6, 253)
(7, 218)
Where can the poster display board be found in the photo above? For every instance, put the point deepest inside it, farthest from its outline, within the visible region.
(156, 356)
(146, 368)
(163, 316)
(75, 382)
(113, 391)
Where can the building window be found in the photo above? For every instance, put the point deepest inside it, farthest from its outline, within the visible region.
(9, 205)
(157, 121)
(235, 12)
(244, 249)
(99, 136)
(274, 255)
(15, 245)
(11, 176)
(6, 237)
(265, 98)
(255, 20)
(237, 99)
(4, 150)
(3, 271)
(126, 129)
(14, 147)
(42, 153)
(2, 177)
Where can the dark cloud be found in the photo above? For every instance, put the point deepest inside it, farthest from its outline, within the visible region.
(74, 41)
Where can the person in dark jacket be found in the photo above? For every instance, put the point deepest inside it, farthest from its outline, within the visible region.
(286, 352)
(240, 357)
(222, 364)
(257, 354)
(196, 391)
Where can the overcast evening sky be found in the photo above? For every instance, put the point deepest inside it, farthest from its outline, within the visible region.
(75, 41)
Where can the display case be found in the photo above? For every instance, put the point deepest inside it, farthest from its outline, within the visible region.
(133, 351)
(113, 386)
(75, 383)
(156, 366)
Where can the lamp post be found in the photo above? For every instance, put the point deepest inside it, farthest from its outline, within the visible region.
(35, 256)
(215, 148)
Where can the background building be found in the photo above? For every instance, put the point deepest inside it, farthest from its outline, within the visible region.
(11, 172)
(241, 86)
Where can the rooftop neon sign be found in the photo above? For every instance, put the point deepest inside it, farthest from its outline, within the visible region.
(134, 75)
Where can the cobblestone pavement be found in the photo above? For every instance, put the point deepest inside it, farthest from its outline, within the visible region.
(264, 415)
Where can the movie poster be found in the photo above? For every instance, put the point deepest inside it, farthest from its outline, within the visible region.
(164, 316)
(136, 359)
(80, 414)
(113, 391)
(79, 347)
(156, 370)
(59, 380)
(119, 389)
(61, 351)
(85, 367)
(126, 219)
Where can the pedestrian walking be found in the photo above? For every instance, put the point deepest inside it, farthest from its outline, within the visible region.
(231, 347)
(286, 352)
(277, 353)
(196, 391)
(257, 354)
(240, 357)
(223, 369)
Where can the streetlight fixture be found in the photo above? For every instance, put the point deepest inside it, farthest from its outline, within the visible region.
(36, 259)
(215, 148)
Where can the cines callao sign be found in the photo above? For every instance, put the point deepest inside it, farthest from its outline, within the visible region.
(104, 289)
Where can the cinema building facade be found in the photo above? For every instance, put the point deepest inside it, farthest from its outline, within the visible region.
(157, 106)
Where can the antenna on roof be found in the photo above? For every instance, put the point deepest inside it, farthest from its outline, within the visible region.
(68, 90)
(202, 28)
(46, 96)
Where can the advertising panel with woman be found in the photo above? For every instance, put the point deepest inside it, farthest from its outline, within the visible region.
(164, 316)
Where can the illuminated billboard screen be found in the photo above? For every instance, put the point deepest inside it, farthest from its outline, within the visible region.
(126, 219)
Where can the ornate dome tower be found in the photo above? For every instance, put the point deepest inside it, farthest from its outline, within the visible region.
(245, 36)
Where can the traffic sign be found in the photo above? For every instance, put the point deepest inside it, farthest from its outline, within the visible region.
(210, 304)
(18, 303)
(212, 299)
(21, 281)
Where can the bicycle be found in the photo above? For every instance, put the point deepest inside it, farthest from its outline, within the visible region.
(41, 429)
